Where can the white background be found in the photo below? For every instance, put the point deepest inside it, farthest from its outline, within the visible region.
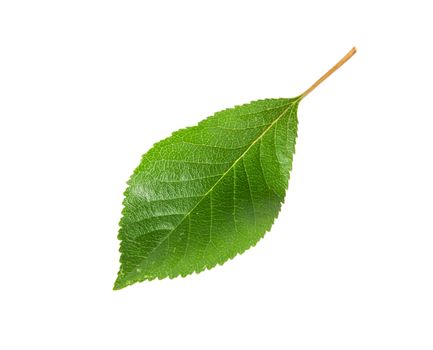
(86, 87)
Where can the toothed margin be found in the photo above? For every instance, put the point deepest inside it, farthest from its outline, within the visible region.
(120, 285)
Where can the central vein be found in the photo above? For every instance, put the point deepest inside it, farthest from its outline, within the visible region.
(292, 103)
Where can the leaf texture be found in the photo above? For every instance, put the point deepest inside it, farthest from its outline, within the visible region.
(208, 192)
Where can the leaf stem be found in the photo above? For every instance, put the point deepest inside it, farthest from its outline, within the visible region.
(329, 72)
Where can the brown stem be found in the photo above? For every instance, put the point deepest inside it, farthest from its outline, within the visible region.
(329, 72)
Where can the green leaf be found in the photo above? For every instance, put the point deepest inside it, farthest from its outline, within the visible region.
(208, 192)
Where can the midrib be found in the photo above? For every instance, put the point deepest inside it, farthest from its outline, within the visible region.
(291, 104)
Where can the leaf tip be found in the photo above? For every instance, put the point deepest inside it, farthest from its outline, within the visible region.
(117, 286)
(119, 283)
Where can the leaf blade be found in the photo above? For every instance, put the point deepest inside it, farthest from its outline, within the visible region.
(196, 167)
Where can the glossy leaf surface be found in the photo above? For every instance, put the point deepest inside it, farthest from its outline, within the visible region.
(208, 192)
